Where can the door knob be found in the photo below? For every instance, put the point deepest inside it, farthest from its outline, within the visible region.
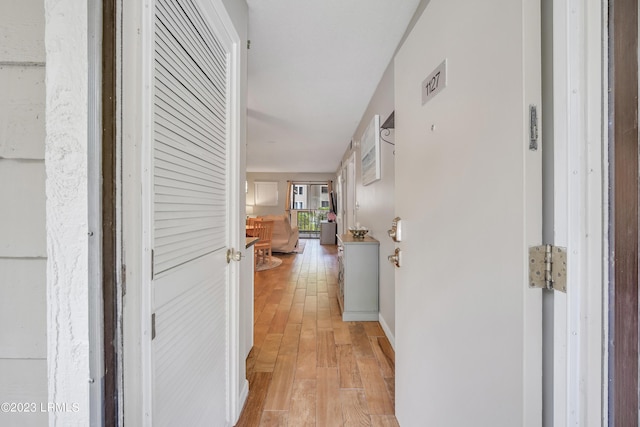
(233, 255)
(395, 258)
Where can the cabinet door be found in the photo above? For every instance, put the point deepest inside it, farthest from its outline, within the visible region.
(341, 276)
(360, 277)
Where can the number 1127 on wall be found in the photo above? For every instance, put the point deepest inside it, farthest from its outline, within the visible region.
(434, 83)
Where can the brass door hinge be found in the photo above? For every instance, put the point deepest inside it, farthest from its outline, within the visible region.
(548, 267)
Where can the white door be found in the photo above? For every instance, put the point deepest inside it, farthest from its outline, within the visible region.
(468, 190)
(191, 214)
(351, 202)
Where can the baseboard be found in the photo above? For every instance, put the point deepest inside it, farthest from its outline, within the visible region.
(387, 331)
(360, 316)
(242, 398)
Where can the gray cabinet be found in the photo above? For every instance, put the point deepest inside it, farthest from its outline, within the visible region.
(358, 277)
(327, 233)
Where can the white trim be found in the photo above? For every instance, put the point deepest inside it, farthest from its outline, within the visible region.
(94, 196)
(387, 331)
(597, 208)
(146, 298)
(223, 27)
(236, 394)
(242, 398)
(129, 183)
(560, 200)
(580, 190)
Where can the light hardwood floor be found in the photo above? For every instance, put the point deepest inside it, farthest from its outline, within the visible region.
(307, 366)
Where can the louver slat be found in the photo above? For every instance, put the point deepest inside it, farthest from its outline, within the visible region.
(190, 142)
(189, 217)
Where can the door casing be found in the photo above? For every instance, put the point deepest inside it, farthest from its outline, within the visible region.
(579, 212)
(623, 210)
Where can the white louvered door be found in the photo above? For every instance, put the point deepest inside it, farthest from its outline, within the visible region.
(190, 218)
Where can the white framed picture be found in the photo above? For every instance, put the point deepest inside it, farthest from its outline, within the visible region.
(265, 193)
(370, 151)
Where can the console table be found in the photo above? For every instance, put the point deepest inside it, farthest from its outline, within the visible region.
(327, 233)
(358, 278)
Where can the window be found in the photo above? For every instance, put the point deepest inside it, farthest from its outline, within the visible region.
(266, 193)
(311, 203)
(309, 195)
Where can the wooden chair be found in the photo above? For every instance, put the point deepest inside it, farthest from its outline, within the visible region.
(263, 246)
(251, 227)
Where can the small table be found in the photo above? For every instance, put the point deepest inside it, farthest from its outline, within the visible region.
(250, 231)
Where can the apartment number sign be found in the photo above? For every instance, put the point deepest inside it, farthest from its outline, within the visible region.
(434, 83)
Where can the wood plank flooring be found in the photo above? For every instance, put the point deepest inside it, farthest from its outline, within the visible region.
(307, 366)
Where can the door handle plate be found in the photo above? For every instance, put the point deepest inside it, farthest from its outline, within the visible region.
(396, 230)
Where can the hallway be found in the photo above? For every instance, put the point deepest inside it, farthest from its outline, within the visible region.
(307, 366)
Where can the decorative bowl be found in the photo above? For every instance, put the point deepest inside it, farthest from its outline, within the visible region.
(358, 233)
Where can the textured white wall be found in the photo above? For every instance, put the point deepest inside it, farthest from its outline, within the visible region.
(66, 189)
(23, 326)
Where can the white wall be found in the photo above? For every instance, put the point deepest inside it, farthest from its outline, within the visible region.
(281, 179)
(67, 201)
(23, 252)
(376, 207)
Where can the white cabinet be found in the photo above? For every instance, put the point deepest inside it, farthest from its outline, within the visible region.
(358, 277)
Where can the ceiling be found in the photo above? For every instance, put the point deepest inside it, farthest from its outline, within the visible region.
(313, 67)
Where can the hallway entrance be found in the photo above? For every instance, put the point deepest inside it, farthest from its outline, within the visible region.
(307, 366)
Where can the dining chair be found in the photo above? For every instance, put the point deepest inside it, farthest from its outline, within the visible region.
(251, 230)
(263, 245)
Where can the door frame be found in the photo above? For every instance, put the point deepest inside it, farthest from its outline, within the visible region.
(580, 211)
(137, 65)
(623, 330)
(105, 354)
